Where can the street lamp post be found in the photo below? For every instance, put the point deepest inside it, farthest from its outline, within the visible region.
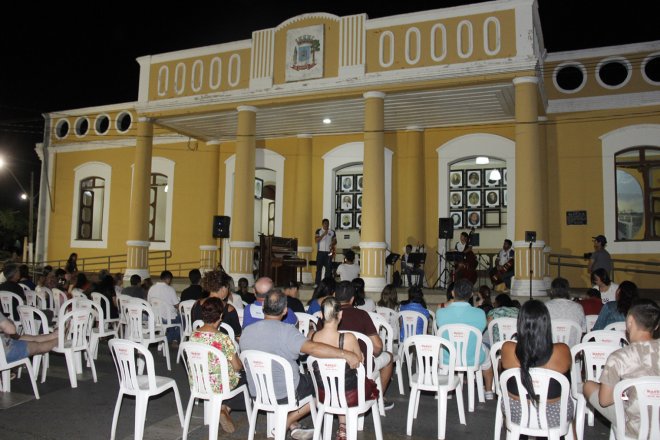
(30, 198)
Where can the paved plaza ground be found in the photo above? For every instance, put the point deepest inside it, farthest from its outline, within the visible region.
(86, 412)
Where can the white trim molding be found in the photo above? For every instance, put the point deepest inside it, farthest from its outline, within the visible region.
(205, 247)
(81, 172)
(613, 142)
(137, 243)
(165, 166)
(352, 153)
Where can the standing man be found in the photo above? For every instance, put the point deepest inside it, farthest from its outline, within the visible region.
(600, 258)
(326, 239)
(640, 358)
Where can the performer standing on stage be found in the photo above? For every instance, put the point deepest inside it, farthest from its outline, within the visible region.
(503, 270)
(326, 240)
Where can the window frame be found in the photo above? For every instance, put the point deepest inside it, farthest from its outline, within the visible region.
(83, 172)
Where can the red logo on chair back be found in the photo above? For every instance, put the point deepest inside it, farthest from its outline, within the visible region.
(122, 350)
(425, 347)
(195, 354)
(330, 366)
(561, 328)
(458, 334)
(258, 364)
(600, 355)
(652, 394)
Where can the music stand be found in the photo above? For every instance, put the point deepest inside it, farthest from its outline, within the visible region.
(392, 259)
(417, 258)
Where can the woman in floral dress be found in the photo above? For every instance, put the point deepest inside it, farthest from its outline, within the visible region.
(211, 311)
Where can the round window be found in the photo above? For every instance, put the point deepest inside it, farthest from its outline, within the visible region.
(82, 126)
(102, 124)
(124, 121)
(613, 74)
(62, 128)
(570, 78)
(651, 69)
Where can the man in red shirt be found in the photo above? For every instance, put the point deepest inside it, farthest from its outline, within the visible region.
(592, 303)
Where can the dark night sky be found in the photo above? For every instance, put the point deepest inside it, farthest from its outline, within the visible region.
(70, 57)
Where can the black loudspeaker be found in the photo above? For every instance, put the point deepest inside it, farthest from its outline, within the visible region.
(446, 228)
(221, 226)
(474, 239)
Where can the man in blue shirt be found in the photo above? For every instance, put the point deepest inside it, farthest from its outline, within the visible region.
(461, 312)
(254, 312)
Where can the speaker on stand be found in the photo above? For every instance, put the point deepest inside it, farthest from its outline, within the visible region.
(221, 226)
(445, 232)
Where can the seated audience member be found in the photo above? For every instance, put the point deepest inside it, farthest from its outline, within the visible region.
(348, 270)
(216, 284)
(640, 358)
(330, 335)
(271, 335)
(362, 301)
(134, 290)
(415, 303)
(535, 349)
(12, 275)
(482, 299)
(389, 299)
(591, 302)
(246, 296)
(62, 282)
(607, 288)
(561, 307)
(19, 347)
(325, 288)
(503, 307)
(25, 277)
(146, 286)
(450, 297)
(461, 312)
(80, 284)
(107, 289)
(292, 301)
(119, 283)
(211, 313)
(164, 292)
(357, 320)
(194, 291)
(254, 312)
(616, 311)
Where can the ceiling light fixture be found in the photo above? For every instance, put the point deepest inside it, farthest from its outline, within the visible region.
(482, 160)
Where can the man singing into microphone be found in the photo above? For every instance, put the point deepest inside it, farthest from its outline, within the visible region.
(326, 240)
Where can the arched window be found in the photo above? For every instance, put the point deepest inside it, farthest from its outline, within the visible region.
(90, 208)
(91, 205)
(638, 193)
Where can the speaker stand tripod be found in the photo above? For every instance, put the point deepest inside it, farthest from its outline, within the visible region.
(445, 271)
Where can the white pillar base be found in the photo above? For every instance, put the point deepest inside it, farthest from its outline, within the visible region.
(520, 287)
(374, 284)
(144, 273)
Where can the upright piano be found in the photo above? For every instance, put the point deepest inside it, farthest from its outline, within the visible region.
(279, 259)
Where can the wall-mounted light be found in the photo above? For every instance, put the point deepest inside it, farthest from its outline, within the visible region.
(327, 121)
(482, 160)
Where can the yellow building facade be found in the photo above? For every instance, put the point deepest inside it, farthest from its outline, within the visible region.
(375, 125)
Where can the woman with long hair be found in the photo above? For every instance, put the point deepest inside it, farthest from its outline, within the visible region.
(325, 288)
(415, 303)
(482, 299)
(330, 335)
(72, 264)
(216, 284)
(389, 298)
(211, 311)
(607, 288)
(535, 349)
(616, 311)
(106, 287)
(361, 300)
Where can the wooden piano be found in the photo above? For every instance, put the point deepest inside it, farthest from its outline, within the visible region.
(279, 259)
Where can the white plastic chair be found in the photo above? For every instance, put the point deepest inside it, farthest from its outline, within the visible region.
(6, 367)
(530, 415)
(6, 301)
(566, 331)
(392, 318)
(185, 310)
(77, 293)
(332, 374)
(591, 320)
(386, 334)
(35, 322)
(618, 326)
(104, 303)
(59, 297)
(306, 322)
(30, 296)
(163, 318)
(124, 354)
(606, 337)
(460, 335)
(102, 330)
(430, 375)
(495, 357)
(73, 338)
(196, 358)
(588, 362)
(147, 334)
(408, 322)
(369, 366)
(259, 367)
(506, 329)
(197, 324)
(648, 401)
